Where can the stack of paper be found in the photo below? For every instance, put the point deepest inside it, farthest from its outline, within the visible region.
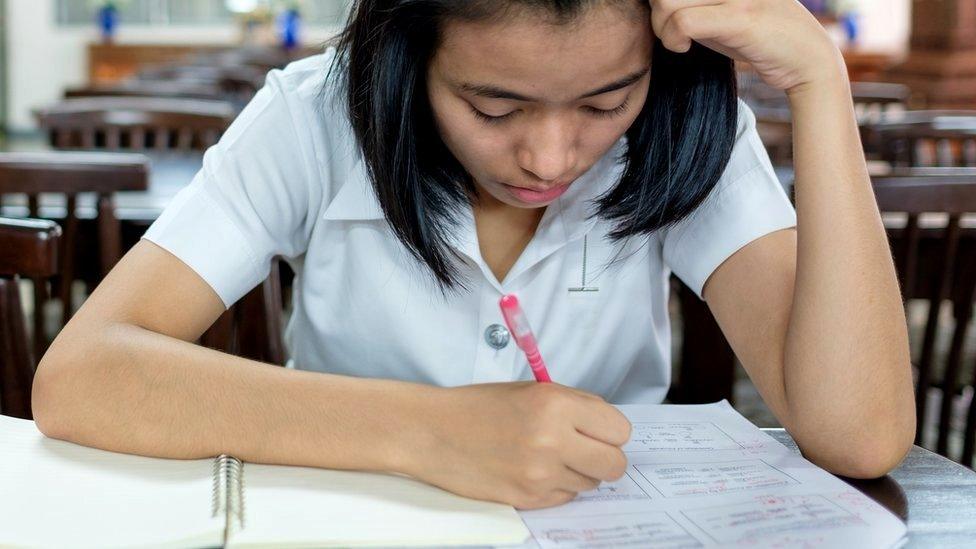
(704, 476)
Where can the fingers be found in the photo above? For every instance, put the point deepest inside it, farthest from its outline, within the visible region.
(662, 10)
(574, 481)
(568, 485)
(708, 21)
(596, 460)
(551, 499)
(604, 423)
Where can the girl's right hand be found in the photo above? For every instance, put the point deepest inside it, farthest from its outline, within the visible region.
(526, 444)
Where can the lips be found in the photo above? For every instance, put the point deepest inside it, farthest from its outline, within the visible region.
(531, 196)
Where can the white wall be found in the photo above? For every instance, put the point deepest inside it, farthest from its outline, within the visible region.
(885, 25)
(44, 58)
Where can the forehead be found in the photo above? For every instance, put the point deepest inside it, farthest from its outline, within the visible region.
(532, 54)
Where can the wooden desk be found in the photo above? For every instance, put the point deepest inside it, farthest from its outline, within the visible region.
(935, 496)
(168, 173)
(136, 210)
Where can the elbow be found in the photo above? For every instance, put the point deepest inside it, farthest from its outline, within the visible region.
(874, 462)
(874, 456)
(46, 404)
(57, 388)
(871, 450)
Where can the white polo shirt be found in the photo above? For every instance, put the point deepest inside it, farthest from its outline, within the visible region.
(287, 179)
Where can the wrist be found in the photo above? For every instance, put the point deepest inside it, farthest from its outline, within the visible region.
(418, 429)
(828, 77)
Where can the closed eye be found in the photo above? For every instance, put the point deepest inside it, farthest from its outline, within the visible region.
(609, 113)
(489, 119)
(600, 113)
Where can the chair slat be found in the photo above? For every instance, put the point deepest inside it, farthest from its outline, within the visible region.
(950, 378)
(950, 275)
(66, 276)
(27, 248)
(109, 233)
(910, 238)
(97, 116)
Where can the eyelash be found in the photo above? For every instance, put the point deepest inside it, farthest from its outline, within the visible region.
(600, 113)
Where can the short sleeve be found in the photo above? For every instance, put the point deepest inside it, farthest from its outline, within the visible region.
(748, 202)
(253, 198)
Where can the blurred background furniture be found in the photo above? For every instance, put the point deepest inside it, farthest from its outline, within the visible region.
(926, 138)
(28, 248)
(941, 64)
(135, 123)
(935, 255)
(254, 327)
(68, 175)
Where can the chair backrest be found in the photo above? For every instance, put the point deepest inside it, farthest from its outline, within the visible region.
(150, 88)
(69, 174)
(875, 100)
(136, 123)
(927, 138)
(937, 260)
(28, 247)
(252, 327)
(238, 81)
(775, 128)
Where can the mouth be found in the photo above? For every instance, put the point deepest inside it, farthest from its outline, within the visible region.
(532, 196)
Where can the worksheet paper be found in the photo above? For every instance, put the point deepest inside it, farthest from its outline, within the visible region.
(704, 476)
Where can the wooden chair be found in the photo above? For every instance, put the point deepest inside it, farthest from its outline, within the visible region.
(927, 138)
(71, 174)
(875, 100)
(938, 262)
(150, 88)
(136, 123)
(775, 128)
(28, 248)
(238, 81)
(253, 327)
(707, 362)
(255, 334)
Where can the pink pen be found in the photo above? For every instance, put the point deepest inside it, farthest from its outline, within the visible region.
(524, 338)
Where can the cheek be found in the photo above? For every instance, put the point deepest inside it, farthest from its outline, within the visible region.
(467, 138)
(602, 135)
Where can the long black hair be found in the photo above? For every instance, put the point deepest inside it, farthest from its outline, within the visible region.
(678, 146)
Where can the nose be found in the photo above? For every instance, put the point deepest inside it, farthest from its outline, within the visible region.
(548, 150)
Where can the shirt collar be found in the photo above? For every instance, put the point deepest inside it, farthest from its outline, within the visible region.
(567, 219)
(356, 199)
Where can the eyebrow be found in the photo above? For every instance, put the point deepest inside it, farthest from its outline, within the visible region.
(494, 92)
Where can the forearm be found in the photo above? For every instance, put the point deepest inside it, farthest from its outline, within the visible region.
(127, 389)
(846, 360)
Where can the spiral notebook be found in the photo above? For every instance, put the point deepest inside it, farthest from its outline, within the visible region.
(58, 494)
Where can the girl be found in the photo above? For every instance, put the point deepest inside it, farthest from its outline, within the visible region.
(449, 152)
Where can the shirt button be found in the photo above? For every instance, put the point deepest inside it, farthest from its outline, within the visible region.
(497, 336)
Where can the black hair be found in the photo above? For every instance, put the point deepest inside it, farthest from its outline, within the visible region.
(678, 146)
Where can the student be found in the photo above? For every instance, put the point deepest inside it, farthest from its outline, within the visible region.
(450, 152)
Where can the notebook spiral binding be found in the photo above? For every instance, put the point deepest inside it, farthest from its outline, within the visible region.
(228, 492)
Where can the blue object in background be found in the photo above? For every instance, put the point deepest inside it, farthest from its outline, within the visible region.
(289, 22)
(851, 27)
(108, 20)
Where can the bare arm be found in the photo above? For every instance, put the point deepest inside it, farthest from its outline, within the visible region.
(123, 376)
(814, 314)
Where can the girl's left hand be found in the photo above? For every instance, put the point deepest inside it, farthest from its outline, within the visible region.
(781, 39)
